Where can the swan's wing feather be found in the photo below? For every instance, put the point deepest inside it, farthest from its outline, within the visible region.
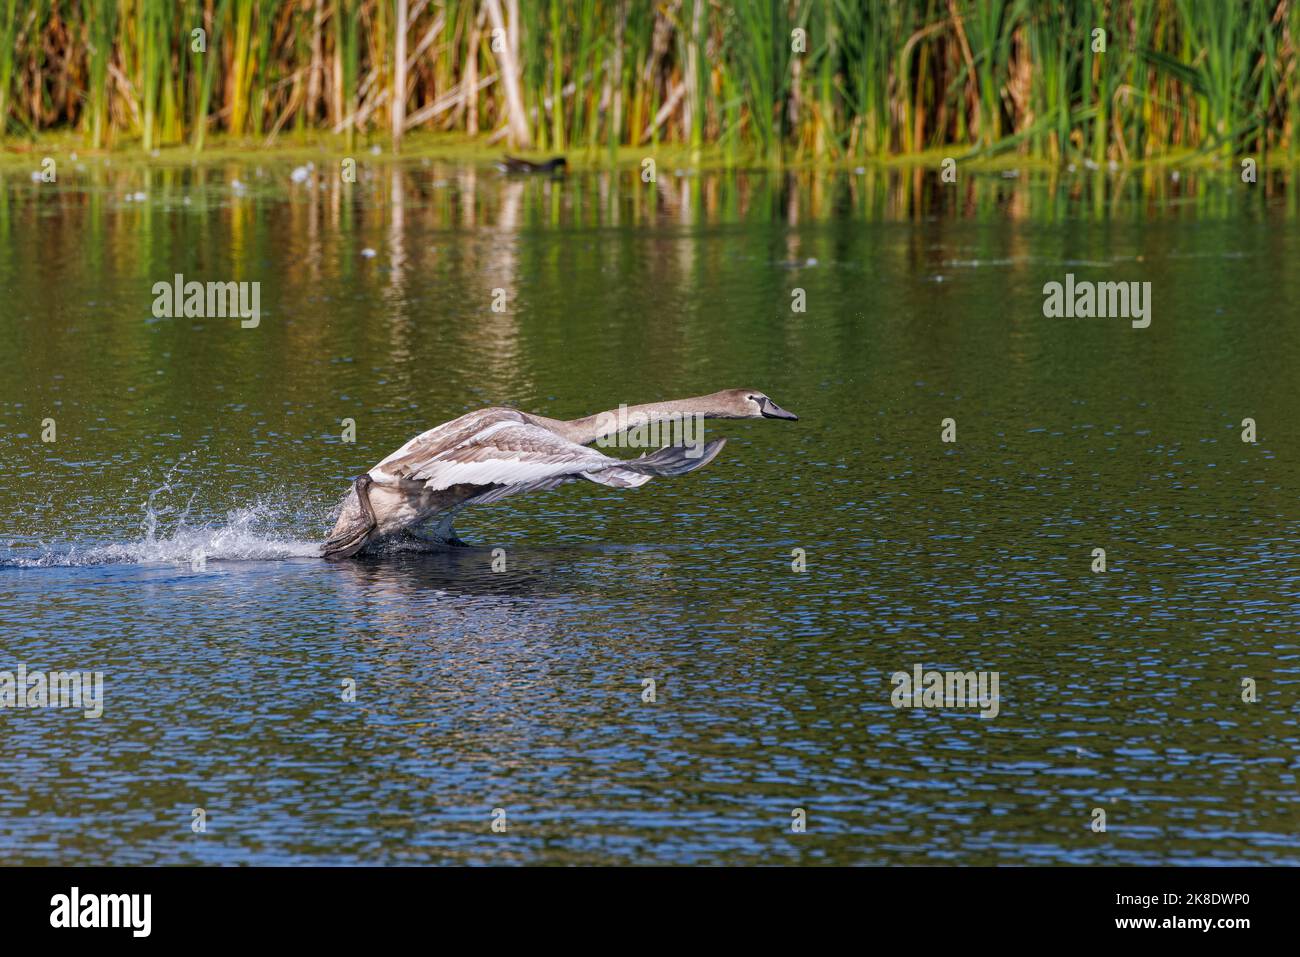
(614, 477)
(497, 492)
(505, 451)
(406, 462)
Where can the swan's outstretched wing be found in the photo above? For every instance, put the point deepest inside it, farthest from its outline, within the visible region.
(502, 452)
(497, 447)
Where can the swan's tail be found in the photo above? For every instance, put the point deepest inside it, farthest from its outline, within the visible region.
(676, 459)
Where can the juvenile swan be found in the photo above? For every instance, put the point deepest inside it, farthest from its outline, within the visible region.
(487, 455)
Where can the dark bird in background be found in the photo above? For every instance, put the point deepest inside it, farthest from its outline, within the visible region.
(512, 164)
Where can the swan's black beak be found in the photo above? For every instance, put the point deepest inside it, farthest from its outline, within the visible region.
(771, 410)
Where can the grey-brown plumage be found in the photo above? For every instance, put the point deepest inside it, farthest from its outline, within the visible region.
(493, 453)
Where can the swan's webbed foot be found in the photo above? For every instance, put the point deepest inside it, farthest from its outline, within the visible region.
(441, 534)
(447, 535)
(411, 535)
(348, 544)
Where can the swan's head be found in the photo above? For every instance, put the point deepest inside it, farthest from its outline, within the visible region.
(752, 404)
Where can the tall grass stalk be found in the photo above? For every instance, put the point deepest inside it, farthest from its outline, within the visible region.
(876, 79)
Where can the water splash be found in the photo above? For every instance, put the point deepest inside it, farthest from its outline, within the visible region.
(169, 535)
(246, 534)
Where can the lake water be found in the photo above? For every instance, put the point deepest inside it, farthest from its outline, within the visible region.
(522, 690)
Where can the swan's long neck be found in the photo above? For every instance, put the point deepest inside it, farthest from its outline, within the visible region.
(586, 430)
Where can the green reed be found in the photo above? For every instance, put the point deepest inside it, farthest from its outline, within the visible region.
(873, 79)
